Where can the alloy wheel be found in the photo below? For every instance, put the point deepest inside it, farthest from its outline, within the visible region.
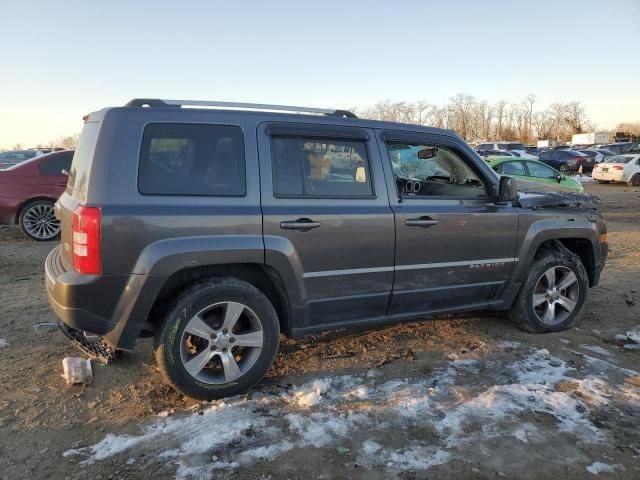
(221, 342)
(555, 296)
(40, 222)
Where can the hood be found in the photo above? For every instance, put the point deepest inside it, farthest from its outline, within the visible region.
(534, 199)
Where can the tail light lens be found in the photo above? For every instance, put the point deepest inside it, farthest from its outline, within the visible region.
(618, 167)
(86, 240)
(579, 159)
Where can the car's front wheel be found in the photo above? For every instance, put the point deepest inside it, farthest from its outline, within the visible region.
(553, 294)
(37, 220)
(217, 339)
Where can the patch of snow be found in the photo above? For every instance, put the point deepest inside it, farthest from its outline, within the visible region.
(328, 412)
(632, 346)
(3, 343)
(633, 335)
(596, 349)
(564, 341)
(599, 467)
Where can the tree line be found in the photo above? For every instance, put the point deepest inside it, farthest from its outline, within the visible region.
(479, 120)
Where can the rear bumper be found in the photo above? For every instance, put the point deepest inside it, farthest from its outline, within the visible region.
(609, 176)
(112, 306)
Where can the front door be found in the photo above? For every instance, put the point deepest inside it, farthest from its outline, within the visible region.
(455, 247)
(328, 227)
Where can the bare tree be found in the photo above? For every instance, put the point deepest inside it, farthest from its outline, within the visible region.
(575, 117)
(530, 102)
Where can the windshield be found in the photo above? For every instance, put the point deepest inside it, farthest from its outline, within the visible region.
(17, 155)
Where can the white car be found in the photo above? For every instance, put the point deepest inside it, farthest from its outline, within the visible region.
(621, 168)
(517, 148)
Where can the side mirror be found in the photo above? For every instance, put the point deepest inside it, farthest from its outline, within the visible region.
(508, 190)
(559, 178)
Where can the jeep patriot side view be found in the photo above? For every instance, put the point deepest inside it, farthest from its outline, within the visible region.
(216, 229)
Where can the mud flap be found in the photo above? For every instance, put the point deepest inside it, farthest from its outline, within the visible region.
(97, 350)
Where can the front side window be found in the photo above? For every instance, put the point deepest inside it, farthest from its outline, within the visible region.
(320, 167)
(515, 146)
(192, 159)
(430, 170)
(540, 171)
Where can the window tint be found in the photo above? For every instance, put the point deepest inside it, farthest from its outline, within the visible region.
(53, 164)
(429, 170)
(515, 146)
(512, 168)
(540, 171)
(192, 159)
(320, 167)
(485, 147)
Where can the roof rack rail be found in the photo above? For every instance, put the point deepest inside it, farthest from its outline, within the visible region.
(157, 102)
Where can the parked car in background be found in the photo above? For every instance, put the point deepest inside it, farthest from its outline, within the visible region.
(598, 155)
(488, 154)
(621, 168)
(13, 157)
(28, 191)
(567, 161)
(533, 171)
(512, 147)
(622, 147)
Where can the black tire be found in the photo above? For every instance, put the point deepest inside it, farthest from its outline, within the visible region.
(564, 169)
(169, 337)
(635, 180)
(27, 220)
(525, 316)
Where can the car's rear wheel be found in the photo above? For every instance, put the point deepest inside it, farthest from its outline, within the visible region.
(37, 221)
(218, 339)
(564, 168)
(553, 294)
(635, 180)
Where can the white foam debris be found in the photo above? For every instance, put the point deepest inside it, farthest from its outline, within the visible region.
(600, 467)
(510, 345)
(330, 412)
(596, 349)
(3, 343)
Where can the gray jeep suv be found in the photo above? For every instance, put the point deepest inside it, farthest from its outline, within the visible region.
(216, 229)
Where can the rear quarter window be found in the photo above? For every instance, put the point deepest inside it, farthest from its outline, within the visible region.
(52, 166)
(192, 159)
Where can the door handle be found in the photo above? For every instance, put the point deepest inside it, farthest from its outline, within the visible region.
(424, 222)
(302, 224)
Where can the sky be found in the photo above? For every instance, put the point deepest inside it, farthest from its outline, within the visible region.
(62, 60)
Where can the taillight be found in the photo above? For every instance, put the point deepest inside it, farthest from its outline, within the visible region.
(579, 159)
(86, 240)
(618, 167)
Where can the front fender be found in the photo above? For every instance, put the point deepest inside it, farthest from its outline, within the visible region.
(550, 229)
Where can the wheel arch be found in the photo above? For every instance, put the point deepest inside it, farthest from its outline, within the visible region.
(263, 277)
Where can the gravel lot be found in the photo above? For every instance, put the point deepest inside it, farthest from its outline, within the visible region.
(461, 397)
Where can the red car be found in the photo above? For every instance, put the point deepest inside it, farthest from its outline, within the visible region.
(29, 190)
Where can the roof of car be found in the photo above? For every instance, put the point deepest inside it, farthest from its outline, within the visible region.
(334, 118)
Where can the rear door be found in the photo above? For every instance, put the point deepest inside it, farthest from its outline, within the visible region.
(454, 247)
(328, 226)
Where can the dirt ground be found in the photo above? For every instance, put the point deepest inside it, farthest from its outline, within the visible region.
(461, 397)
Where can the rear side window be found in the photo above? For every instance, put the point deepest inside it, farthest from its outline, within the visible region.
(320, 167)
(192, 159)
(53, 165)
